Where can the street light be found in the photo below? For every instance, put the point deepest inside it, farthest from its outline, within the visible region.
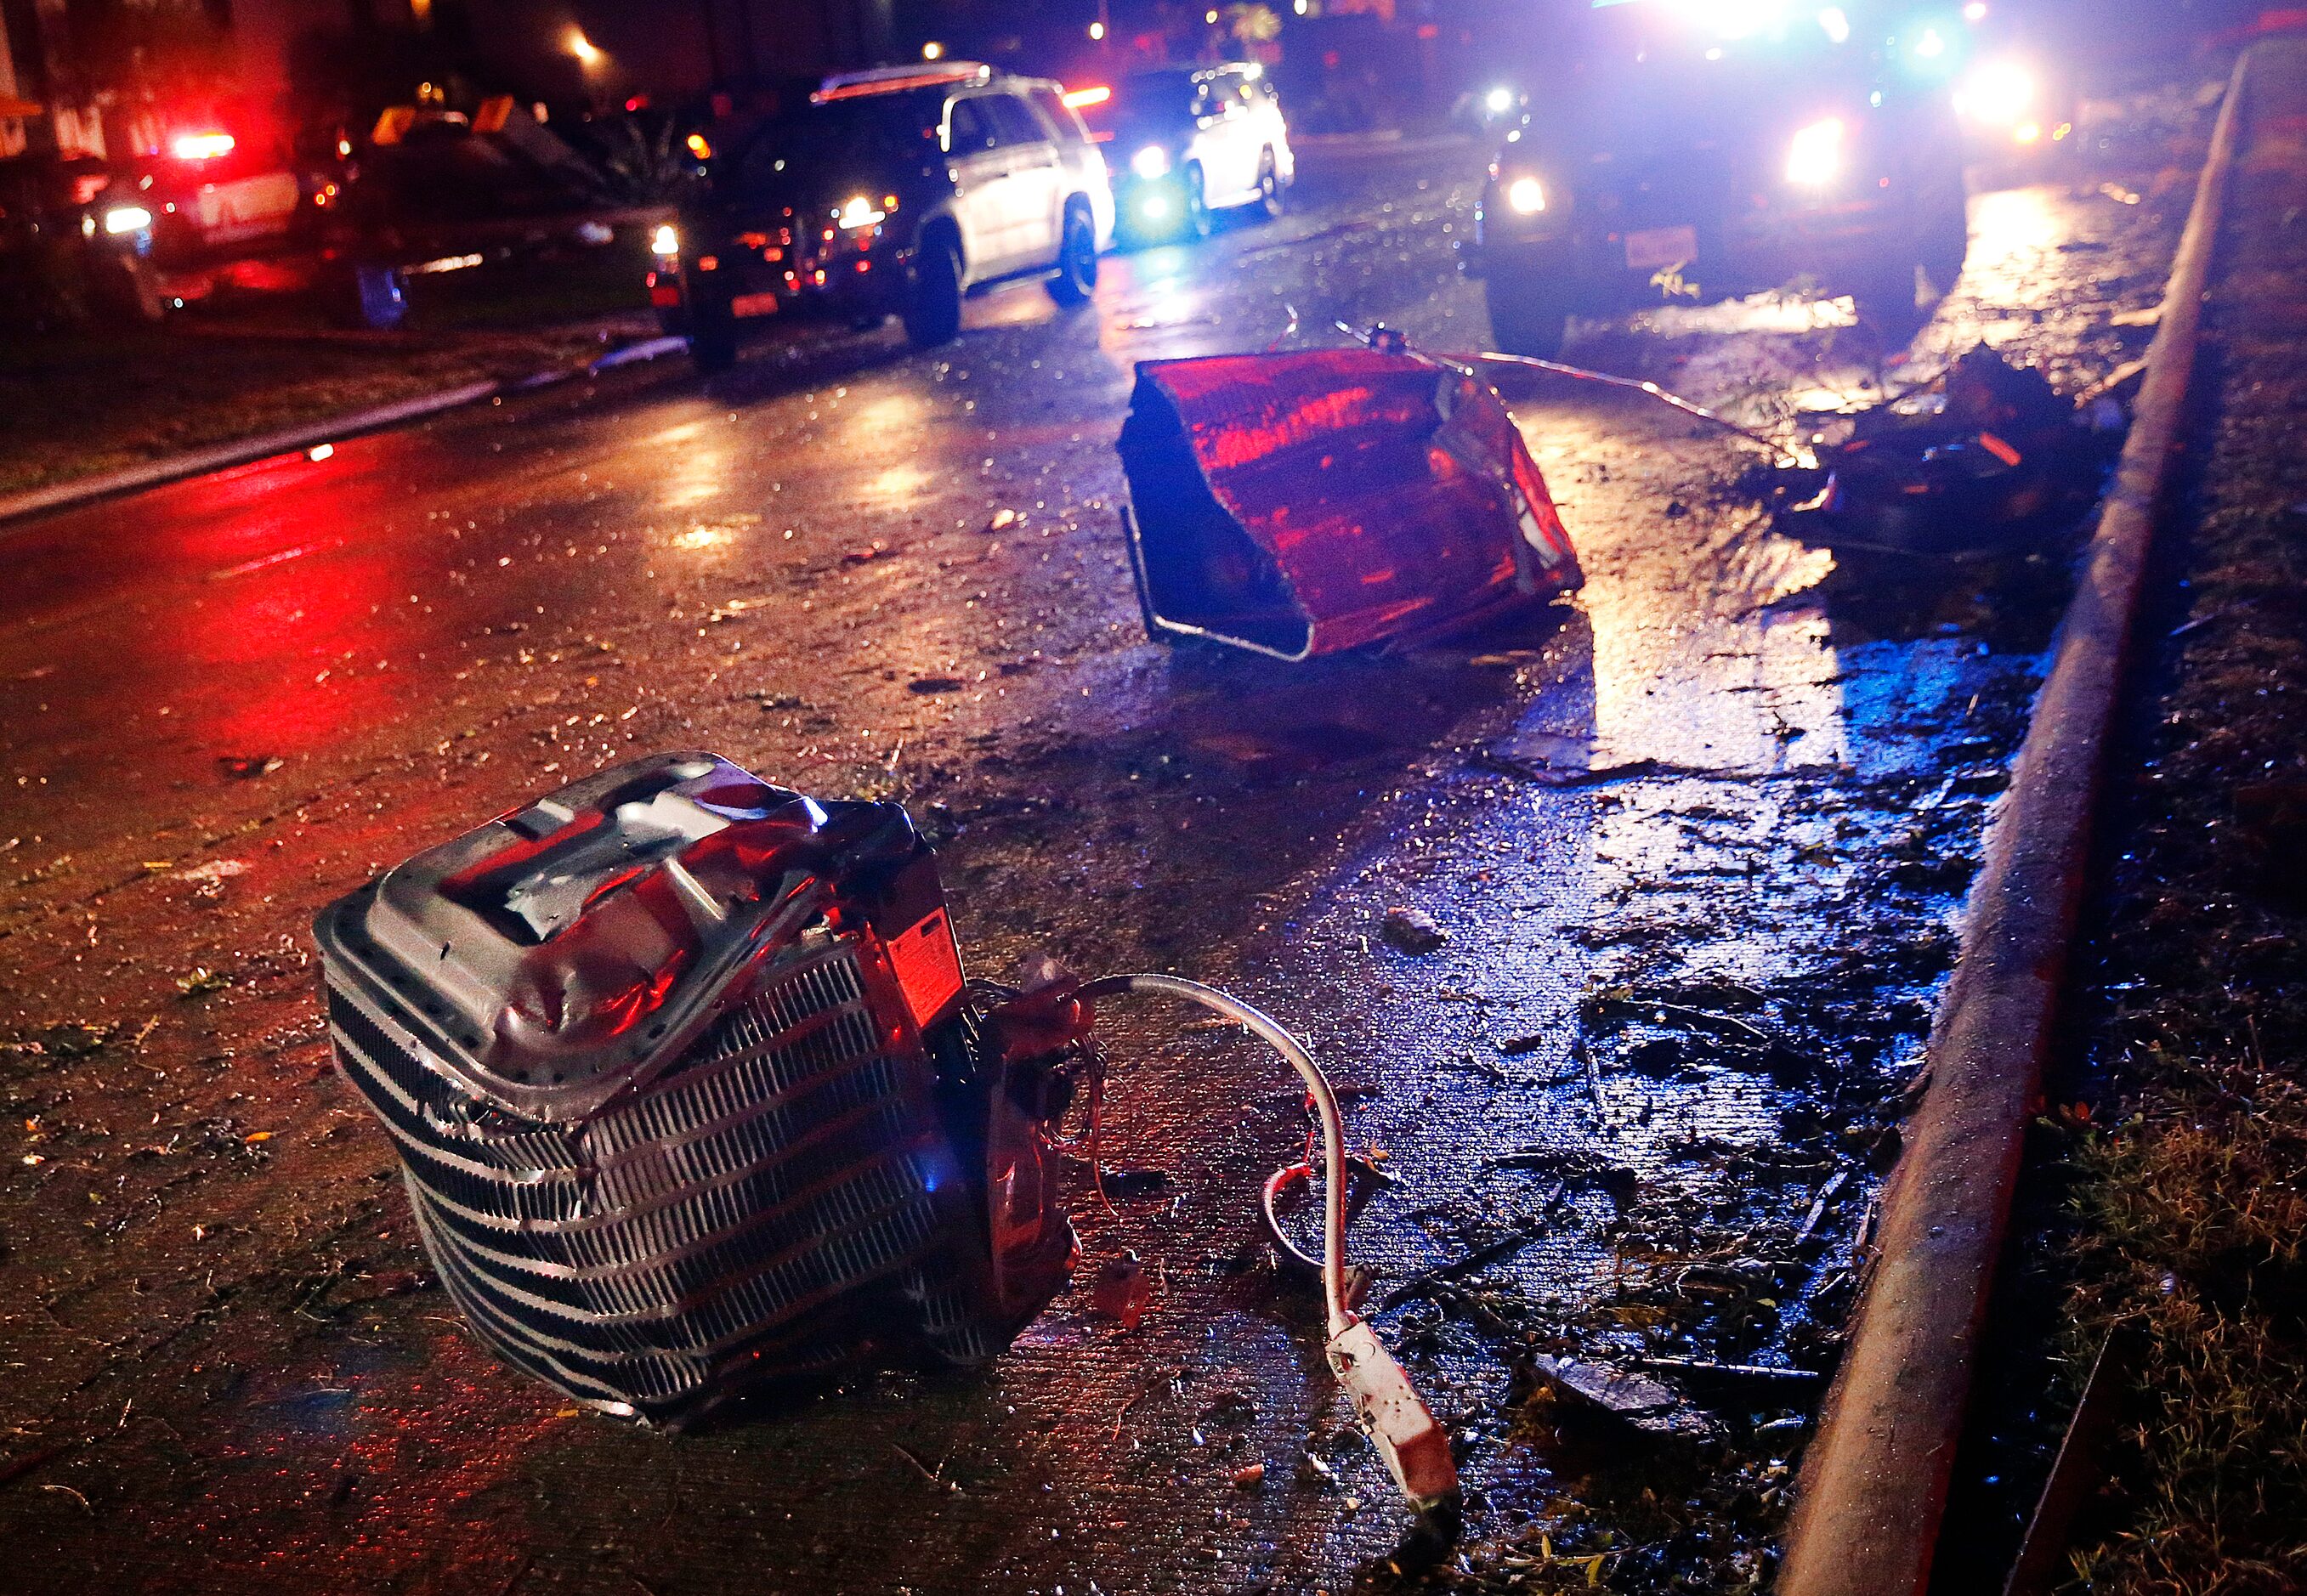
(933, 50)
(1096, 31)
(588, 54)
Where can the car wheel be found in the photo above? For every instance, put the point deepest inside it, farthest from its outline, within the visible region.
(1528, 315)
(1198, 204)
(1269, 185)
(1076, 259)
(712, 338)
(933, 302)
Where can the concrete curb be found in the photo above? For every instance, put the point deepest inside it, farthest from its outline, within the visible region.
(223, 456)
(1873, 1486)
(135, 479)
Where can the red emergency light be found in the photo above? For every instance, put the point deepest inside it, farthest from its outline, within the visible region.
(201, 147)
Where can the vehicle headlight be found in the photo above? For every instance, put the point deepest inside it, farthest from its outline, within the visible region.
(1150, 162)
(126, 218)
(1525, 196)
(1815, 159)
(1999, 94)
(1499, 101)
(666, 242)
(859, 211)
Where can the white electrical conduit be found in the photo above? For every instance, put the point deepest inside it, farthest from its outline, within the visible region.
(1416, 1449)
(1317, 1086)
(1779, 451)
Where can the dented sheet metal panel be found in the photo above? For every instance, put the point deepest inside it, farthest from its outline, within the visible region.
(1306, 503)
(687, 1090)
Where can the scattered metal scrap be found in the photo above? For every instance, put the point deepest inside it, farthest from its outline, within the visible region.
(1997, 462)
(690, 1095)
(1304, 503)
(1640, 1402)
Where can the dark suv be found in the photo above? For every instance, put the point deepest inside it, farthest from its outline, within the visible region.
(1671, 154)
(889, 192)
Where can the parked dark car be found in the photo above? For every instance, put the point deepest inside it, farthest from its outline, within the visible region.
(891, 192)
(1667, 157)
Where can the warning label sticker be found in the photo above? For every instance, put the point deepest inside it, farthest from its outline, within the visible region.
(927, 965)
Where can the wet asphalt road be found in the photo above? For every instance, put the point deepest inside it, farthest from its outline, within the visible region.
(221, 1351)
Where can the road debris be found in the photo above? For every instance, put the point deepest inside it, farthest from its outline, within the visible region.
(1633, 1400)
(1123, 1292)
(645, 871)
(2000, 463)
(1412, 931)
(1304, 503)
(1736, 1375)
(716, 979)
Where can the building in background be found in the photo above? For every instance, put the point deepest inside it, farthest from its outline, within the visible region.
(98, 77)
(117, 77)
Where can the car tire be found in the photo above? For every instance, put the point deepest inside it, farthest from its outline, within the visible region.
(932, 311)
(712, 338)
(1198, 204)
(1528, 315)
(1076, 274)
(1269, 185)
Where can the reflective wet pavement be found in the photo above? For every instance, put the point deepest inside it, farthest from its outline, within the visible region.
(1696, 837)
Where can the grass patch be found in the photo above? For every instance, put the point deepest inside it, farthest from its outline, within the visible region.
(2191, 1213)
(2195, 1225)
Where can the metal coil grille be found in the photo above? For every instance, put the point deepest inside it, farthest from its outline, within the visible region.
(765, 1201)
